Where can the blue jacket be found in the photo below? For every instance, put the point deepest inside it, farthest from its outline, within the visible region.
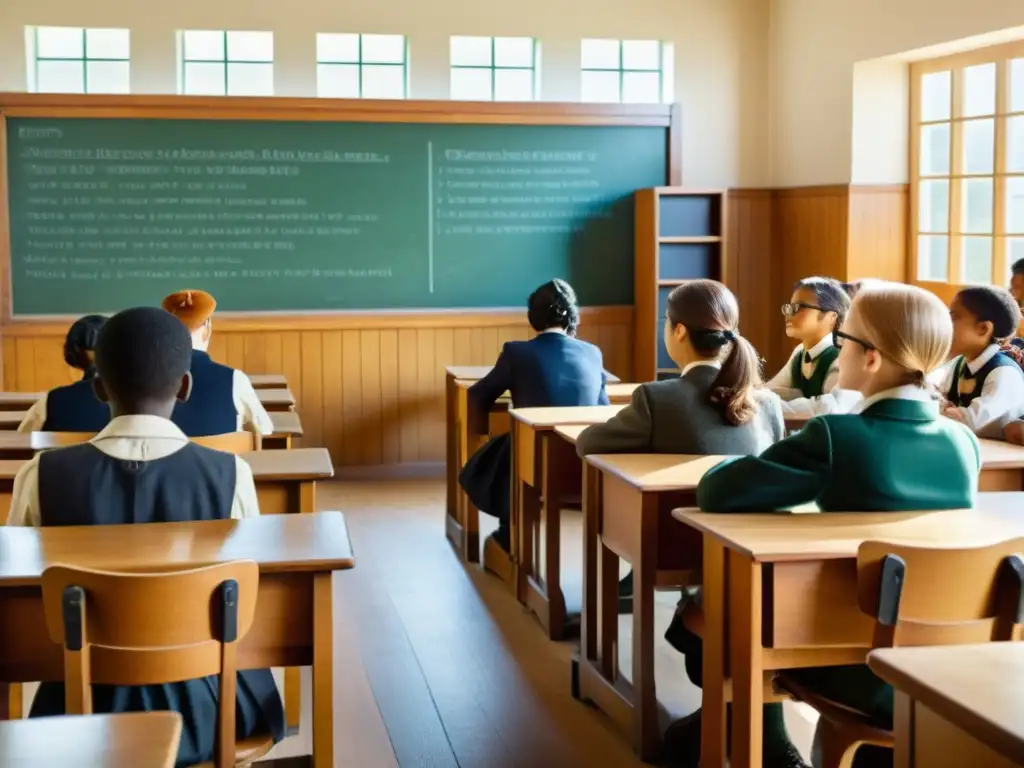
(210, 409)
(550, 370)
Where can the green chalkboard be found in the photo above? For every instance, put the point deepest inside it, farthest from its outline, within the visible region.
(277, 216)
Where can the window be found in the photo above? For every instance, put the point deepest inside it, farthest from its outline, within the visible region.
(350, 66)
(628, 71)
(218, 63)
(967, 166)
(494, 68)
(76, 60)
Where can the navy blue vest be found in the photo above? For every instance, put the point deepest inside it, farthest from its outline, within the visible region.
(81, 485)
(960, 400)
(75, 408)
(210, 409)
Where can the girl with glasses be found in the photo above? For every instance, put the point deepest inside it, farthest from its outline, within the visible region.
(807, 382)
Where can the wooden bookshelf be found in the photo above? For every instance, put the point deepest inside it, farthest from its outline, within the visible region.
(680, 236)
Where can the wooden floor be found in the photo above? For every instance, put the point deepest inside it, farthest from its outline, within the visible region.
(442, 667)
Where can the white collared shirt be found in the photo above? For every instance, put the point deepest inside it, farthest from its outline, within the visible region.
(130, 438)
(831, 400)
(697, 363)
(1001, 400)
(250, 410)
(904, 392)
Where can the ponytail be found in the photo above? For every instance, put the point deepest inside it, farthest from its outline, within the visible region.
(733, 389)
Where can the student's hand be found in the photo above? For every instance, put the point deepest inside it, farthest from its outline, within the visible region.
(954, 413)
(1014, 432)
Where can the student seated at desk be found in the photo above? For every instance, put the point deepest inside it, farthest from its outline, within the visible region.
(223, 399)
(142, 469)
(75, 407)
(552, 369)
(714, 406)
(895, 453)
(983, 386)
(808, 381)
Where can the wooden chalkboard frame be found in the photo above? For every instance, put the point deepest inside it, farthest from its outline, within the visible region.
(668, 116)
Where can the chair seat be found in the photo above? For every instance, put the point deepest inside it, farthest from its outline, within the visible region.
(855, 723)
(246, 751)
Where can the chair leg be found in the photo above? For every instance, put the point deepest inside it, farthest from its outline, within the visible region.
(833, 747)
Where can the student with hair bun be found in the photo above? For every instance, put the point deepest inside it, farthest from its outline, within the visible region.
(894, 453)
(808, 381)
(552, 369)
(75, 407)
(715, 406)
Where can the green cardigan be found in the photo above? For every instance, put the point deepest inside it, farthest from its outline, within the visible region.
(896, 455)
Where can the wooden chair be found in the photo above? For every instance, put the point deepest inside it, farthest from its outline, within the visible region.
(920, 596)
(151, 628)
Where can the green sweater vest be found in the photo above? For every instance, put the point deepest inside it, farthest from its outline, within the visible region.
(815, 385)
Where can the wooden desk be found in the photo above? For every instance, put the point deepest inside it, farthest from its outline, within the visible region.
(298, 557)
(467, 373)
(18, 401)
(627, 513)
(546, 474)
(956, 706)
(11, 420)
(268, 381)
(129, 740)
(285, 480)
(780, 592)
(276, 399)
(1002, 466)
(287, 426)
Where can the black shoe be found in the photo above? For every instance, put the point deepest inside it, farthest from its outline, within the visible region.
(502, 537)
(787, 757)
(682, 742)
(626, 593)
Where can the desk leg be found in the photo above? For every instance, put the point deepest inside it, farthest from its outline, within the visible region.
(713, 728)
(553, 453)
(323, 670)
(293, 675)
(608, 583)
(903, 730)
(588, 621)
(451, 471)
(646, 738)
(528, 516)
(747, 663)
(307, 496)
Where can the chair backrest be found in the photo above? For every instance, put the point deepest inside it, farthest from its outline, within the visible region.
(152, 628)
(229, 442)
(934, 596)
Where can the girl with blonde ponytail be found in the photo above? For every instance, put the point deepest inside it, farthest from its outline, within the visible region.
(894, 453)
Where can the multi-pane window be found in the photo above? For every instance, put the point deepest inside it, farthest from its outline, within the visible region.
(967, 166)
(226, 63)
(77, 60)
(351, 66)
(494, 68)
(628, 71)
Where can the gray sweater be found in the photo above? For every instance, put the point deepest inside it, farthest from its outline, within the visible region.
(674, 416)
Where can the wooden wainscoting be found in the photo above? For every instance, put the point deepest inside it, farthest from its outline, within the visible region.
(370, 388)
(749, 265)
(877, 242)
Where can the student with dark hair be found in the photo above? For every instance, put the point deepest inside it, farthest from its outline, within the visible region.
(73, 408)
(552, 369)
(715, 406)
(807, 382)
(983, 387)
(1017, 282)
(142, 469)
(223, 399)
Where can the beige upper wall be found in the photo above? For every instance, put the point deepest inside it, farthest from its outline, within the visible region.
(814, 46)
(720, 50)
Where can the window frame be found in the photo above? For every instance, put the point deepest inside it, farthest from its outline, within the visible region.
(493, 67)
(183, 60)
(1000, 56)
(84, 59)
(623, 70)
(360, 64)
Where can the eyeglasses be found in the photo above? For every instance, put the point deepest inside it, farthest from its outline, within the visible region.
(791, 310)
(838, 337)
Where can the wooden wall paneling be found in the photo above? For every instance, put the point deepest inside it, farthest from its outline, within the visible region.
(878, 219)
(391, 419)
(310, 396)
(371, 424)
(352, 386)
(750, 266)
(333, 395)
(430, 398)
